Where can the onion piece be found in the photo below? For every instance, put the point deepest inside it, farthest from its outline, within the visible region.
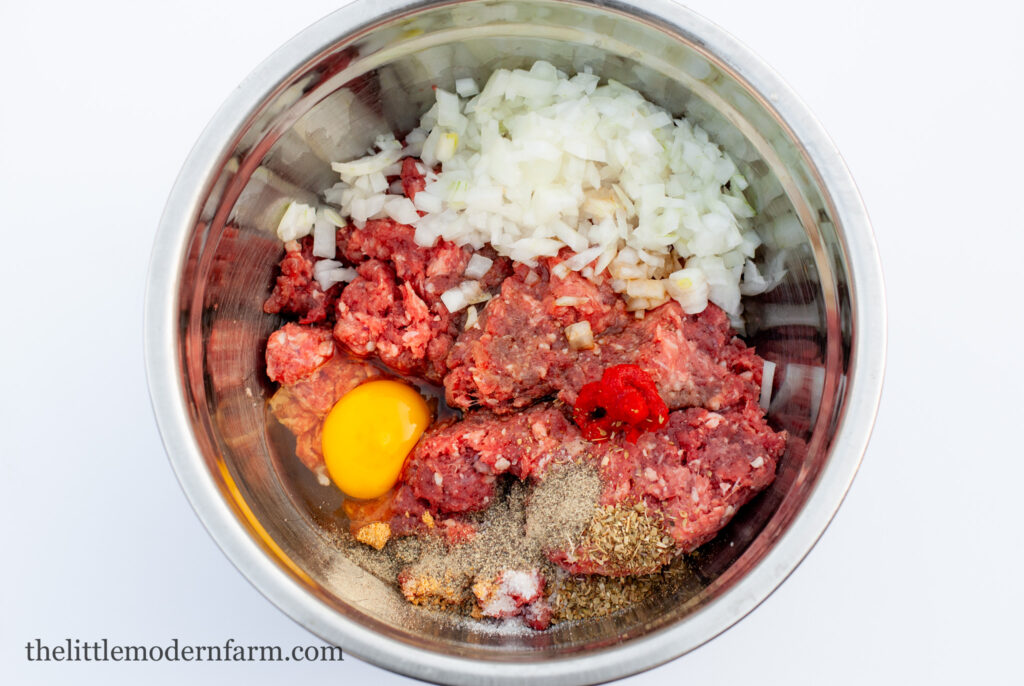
(767, 379)
(454, 299)
(401, 209)
(473, 292)
(580, 335)
(569, 301)
(325, 242)
(466, 88)
(534, 161)
(328, 277)
(297, 221)
(478, 266)
(471, 317)
(367, 165)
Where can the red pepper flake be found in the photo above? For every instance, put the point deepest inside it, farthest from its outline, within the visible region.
(625, 399)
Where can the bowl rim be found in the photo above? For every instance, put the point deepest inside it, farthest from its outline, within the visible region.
(867, 360)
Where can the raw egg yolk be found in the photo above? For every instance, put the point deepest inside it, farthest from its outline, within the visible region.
(368, 434)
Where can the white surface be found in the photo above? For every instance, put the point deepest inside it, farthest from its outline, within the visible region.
(918, 579)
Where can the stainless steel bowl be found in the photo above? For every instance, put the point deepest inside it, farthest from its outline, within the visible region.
(369, 68)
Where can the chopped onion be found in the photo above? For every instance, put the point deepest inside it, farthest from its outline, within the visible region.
(652, 289)
(767, 379)
(324, 235)
(328, 277)
(297, 221)
(324, 266)
(401, 209)
(425, 202)
(536, 161)
(580, 335)
(473, 292)
(446, 146)
(569, 301)
(471, 317)
(466, 87)
(367, 165)
(454, 299)
(478, 266)
(689, 287)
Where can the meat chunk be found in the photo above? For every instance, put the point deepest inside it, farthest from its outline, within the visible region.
(430, 271)
(296, 351)
(691, 366)
(302, 405)
(378, 315)
(693, 474)
(412, 180)
(393, 309)
(690, 476)
(519, 352)
(296, 292)
(454, 467)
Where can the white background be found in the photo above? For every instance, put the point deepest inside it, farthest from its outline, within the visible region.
(918, 580)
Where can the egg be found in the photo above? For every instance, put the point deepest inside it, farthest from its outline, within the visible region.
(368, 434)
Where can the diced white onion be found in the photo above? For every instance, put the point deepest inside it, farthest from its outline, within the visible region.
(652, 289)
(367, 165)
(328, 277)
(401, 209)
(454, 299)
(536, 161)
(324, 266)
(473, 292)
(580, 335)
(689, 287)
(324, 235)
(478, 266)
(466, 87)
(569, 301)
(297, 221)
(767, 379)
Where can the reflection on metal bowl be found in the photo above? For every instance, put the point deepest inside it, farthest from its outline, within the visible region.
(369, 68)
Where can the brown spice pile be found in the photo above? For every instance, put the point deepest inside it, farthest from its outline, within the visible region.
(627, 539)
(560, 512)
(584, 597)
(562, 505)
(515, 532)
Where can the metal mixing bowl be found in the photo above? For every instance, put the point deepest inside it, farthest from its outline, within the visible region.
(369, 68)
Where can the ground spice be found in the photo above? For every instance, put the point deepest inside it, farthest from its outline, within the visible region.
(559, 512)
(627, 539)
(585, 597)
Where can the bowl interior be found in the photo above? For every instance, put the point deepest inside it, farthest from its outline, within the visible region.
(378, 78)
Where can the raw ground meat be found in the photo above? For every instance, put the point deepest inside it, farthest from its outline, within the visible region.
(516, 378)
(378, 315)
(454, 467)
(412, 180)
(296, 292)
(393, 309)
(695, 472)
(301, 406)
(518, 352)
(295, 351)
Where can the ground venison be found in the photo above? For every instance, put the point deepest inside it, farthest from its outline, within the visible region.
(296, 292)
(518, 352)
(692, 474)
